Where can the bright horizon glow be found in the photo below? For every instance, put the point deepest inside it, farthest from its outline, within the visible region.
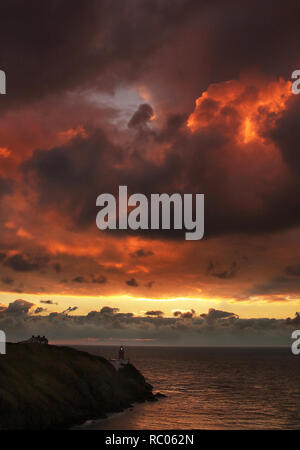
(255, 308)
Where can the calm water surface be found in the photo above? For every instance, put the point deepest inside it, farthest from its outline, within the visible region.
(212, 388)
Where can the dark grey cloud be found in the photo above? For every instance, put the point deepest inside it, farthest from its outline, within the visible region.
(282, 284)
(26, 262)
(107, 310)
(285, 135)
(7, 280)
(185, 314)
(293, 270)
(154, 313)
(79, 279)
(2, 256)
(70, 309)
(132, 282)
(41, 58)
(48, 302)
(213, 328)
(294, 321)
(224, 274)
(19, 307)
(39, 310)
(215, 314)
(60, 175)
(141, 253)
(99, 279)
(141, 117)
(57, 267)
(6, 186)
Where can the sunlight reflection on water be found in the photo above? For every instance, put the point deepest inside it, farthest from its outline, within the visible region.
(213, 388)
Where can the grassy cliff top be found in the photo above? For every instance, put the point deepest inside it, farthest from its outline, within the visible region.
(45, 386)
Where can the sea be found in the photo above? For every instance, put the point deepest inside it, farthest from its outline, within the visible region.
(211, 388)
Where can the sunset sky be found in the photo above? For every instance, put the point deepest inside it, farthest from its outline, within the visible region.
(161, 96)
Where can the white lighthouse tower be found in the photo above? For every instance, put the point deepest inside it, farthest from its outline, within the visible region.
(121, 361)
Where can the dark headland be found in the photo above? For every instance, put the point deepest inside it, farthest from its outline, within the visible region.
(47, 386)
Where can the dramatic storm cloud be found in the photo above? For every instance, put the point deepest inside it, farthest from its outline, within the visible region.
(163, 97)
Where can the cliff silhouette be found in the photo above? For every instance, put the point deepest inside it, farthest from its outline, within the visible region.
(56, 387)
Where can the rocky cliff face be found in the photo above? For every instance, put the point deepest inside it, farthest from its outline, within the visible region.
(50, 387)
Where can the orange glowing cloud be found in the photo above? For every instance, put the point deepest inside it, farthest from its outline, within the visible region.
(72, 132)
(5, 152)
(245, 103)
